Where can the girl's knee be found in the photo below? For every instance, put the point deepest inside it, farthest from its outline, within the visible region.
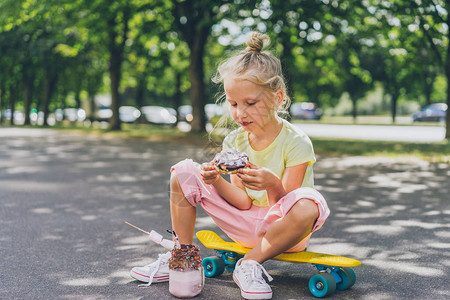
(186, 165)
(304, 211)
(174, 180)
(175, 188)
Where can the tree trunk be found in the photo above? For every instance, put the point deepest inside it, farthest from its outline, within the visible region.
(114, 73)
(63, 97)
(78, 97)
(61, 100)
(428, 83)
(289, 62)
(447, 74)
(140, 91)
(447, 118)
(115, 64)
(354, 108)
(177, 97)
(195, 33)
(28, 90)
(92, 108)
(50, 84)
(197, 92)
(92, 88)
(394, 98)
(12, 102)
(2, 101)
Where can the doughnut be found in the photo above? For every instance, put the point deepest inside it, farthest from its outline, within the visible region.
(229, 161)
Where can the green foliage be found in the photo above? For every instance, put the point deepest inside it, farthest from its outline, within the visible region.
(53, 51)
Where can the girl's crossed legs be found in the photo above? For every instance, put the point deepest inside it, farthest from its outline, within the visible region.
(286, 226)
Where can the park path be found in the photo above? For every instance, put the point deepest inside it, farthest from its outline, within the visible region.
(64, 199)
(415, 134)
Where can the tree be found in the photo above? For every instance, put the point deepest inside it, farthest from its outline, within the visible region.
(107, 24)
(10, 70)
(321, 48)
(352, 52)
(434, 23)
(194, 20)
(36, 29)
(148, 60)
(431, 26)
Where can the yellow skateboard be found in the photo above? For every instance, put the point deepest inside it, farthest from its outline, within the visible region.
(334, 271)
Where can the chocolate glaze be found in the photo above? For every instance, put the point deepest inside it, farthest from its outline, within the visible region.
(230, 160)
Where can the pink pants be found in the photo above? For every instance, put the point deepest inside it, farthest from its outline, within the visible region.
(246, 227)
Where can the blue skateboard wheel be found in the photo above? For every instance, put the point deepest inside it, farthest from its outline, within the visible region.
(213, 266)
(322, 285)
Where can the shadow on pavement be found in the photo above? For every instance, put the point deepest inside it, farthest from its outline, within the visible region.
(64, 199)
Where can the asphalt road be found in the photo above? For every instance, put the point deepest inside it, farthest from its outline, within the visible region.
(64, 199)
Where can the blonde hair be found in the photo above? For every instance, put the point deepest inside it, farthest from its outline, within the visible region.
(257, 66)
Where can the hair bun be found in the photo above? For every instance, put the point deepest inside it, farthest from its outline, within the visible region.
(257, 41)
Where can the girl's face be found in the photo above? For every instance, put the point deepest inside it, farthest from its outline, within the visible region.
(252, 106)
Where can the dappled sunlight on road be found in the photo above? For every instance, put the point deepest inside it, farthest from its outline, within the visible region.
(395, 214)
(30, 186)
(65, 198)
(42, 210)
(336, 247)
(377, 229)
(61, 192)
(93, 281)
(403, 266)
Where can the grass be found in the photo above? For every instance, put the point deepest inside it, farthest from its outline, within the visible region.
(434, 152)
(128, 131)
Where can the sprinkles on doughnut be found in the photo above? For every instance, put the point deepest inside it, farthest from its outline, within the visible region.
(229, 161)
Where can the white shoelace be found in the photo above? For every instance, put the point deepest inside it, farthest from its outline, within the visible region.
(156, 265)
(256, 274)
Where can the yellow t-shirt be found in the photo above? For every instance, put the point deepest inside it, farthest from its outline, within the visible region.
(290, 148)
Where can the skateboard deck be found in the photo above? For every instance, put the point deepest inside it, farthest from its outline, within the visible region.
(335, 272)
(213, 241)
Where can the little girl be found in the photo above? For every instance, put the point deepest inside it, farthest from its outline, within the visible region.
(269, 206)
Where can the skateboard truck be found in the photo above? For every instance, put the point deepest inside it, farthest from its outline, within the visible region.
(230, 259)
(333, 271)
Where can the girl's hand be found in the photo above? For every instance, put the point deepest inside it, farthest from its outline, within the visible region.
(258, 178)
(209, 173)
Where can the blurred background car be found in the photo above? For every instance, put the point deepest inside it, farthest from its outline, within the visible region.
(435, 112)
(36, 117)
(185, 113)
(103, 114)
(159, 115)
(129, 114)
(59, 115)
(75, 114)
(19, 117)
(305, 111)
(211, 110)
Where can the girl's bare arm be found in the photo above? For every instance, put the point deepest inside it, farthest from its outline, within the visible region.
(258, 178)
(233, 193)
